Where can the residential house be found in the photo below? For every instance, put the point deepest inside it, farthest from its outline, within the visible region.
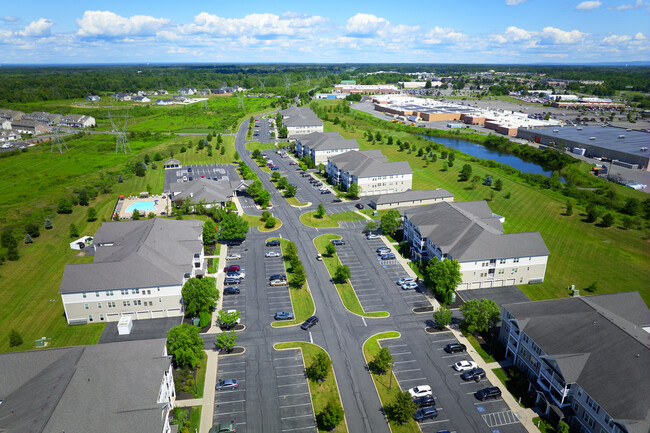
(187, 91)
(138, 271)
(121, 96)
(112, 388)
(586, 358)
(371, 171)
(5, 124)
(165, 102)
(410, 198)
(301, 121)
(7, 135)
(172, 163)
(11, 115)
(93, 98)
(180, 99)
(78, 121)
(140, 99)
(471, 234)
(31, 127)
(47, 119)
(320, 146)
(209, 191)
(160, 92)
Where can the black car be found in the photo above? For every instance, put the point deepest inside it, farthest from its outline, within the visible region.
(277, 277)
(455, 348)
(475, 374)
(326, 191)
(190, 178)
(359, 206)
(337, 242)
(230, 291)
(425, 413)
(273, 243)
(425, 401)
(234, 242)
(489, 392)
(309, 323)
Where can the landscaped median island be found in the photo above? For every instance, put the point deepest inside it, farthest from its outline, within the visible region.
(386, 384)
(262, 222)
(322, 386)
(301, 300)
(312, 219)
(345, 290)
(293, 201)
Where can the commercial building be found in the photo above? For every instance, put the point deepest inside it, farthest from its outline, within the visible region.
(329, 96)
(301, 121)
(471, 234)
(209, 191)
(586, 359)
(371, 171)
(138, 271)
(624, 147)
(418, 84)
(370, 89)
(110, 388)
(320, 146)
(78, 121)
(410, 198)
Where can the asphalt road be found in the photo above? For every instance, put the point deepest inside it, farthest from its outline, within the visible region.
(271, 379)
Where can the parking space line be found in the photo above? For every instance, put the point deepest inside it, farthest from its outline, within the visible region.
(297, 416)
(295, 405)
(289, 366)
(230, 413)
(228, 402)
(402, 362)
(299, 428)
(289, 375)
(292, 395)
(434, 422)
(294, 384)
(406, 371)
(412, 380)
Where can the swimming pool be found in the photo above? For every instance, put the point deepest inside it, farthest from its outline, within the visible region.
(142, 206)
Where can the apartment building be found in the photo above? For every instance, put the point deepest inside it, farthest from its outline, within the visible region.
(301, 121)
(371, 171)
(586, 358)
(320, 146)
(474, 236)
(138, 271)
(77, 121)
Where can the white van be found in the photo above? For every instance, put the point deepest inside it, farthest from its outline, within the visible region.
(184, 178)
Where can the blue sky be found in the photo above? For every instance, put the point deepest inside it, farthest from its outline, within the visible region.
(486, 31)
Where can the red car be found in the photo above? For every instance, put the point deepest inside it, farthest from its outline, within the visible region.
(231, 268)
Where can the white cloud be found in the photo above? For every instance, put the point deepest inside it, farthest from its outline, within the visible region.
(259, 25)
(516, 34)
(630, 6)
(439, 35)
(589, 5)
(109, 24)
(365, 25)
(639, 37)
(10, 19)
(514, 2)
(562, 37)
(41, 27)
(616, 39)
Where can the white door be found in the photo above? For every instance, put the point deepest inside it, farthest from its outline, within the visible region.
(113, 317)
(498, 283)
(510, 282)
(157, 314)
(476, 285)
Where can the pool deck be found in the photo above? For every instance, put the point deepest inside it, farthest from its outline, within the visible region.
(163, 205)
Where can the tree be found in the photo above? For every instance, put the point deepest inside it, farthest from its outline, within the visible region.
(479, 315)
(254, 188)
(442, 316)
(427, 85)
(321, 168)
(209, 233)
(569, 208)
(320, 212)
(228, 319)
(275, 176)
(233, 227)
(332, 415)
(64, 206)
(28, 239)
(498, 185)
(120, 179)
(48, 224)
(263, 198)
(451, 158)
(282, 183)
(33, 229)
(487, 181)
(222, 151)
(465, 173)
(12, 253)
(265, 215)
(354, 189)
(136, 215)
(319, 368)
(607, 220)
(199, 294)
(185, 345)
(562, 427)
(7, 239)
(83, 198)
(371, 226)
(290, 191)
(475, 180)
(442, 277)
(632, 207)
(299, 276)
(270, 222)
(330, 249)
(390, 222)
(283, 132)
(226, 340)
(382, 361)
(342, 273)
(403, 407)
(236, 156)
(14, 338)
(592, 214)
(91, 214)
(139, 170)
(74, 232)
(291, 250)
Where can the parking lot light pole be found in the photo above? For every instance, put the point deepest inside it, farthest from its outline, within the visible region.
(390, 385)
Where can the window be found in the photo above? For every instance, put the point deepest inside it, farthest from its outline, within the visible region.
(502, 261)
(83, 294)
(126, 303)
(101, 317)
(515, 260)
(111, 304)
(525, 338)
(590, 421)
(86, 307)
(97, 294)
(99, 305)
(514, 270)
(137, 302)
(124, 291)
(135, 291)
(159, 299)
(109, 293)
(90, 318)
(501, 271)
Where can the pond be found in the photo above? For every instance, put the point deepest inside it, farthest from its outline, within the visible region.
(483, 152)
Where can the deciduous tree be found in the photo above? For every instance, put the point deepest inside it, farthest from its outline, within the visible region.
(442, 277)
(185, 345)
(199, 294)
(390, 222)
(479, 315)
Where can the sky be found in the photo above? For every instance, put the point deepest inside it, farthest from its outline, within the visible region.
(333, 31)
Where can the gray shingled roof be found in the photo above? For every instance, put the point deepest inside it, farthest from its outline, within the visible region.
(321, 141)
(300, 116)
(145, 253)
(205, 189)
(470, 231)
(368, 163)
(111, 388)
(412, 195)
(598, 348)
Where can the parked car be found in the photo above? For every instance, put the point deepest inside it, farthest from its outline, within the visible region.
(239, 274)
(224, 385)
(411, 285)
(234, 242)
(275, 168)
(233, 257)
(272, 254)
(464, 365)
(359, 206)
(283, 315)
(489, 392)
(189, 169)
(372, 236)
(319, 257)
(420, 391)
(475, 374)
(425, 401)
(277, 277)
(327, 191)
(278, 282)
(190, 178)
(231, 291)
(293, 163)
(338, 242)
(309, 323)
(383, 250)
(231, 280)
(273, 243)
(388, 256)
(223, 428)
(231, 268)
(455, 348)
(425, 413)
(405, 280)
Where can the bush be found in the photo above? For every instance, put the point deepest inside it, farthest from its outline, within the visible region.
(64, 206)
(12, 253)
(28, 239)
(74, 232)
(48, 224)
(205, 318)
(15, 339)
(270, 222)
(32, 229)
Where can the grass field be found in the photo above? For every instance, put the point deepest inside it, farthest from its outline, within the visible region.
(254, 145)
(580, 253)
(328, 221)
(195, 418)
(200, 377)
(321, 392)
(346, 291)
(301, 299)
(386, 384)
(255, 221)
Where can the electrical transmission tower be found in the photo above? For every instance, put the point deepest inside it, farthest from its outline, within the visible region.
(262, 82)
(121, 140)
(240, 100)
(287, 82)
(308, 79)
(58, 140)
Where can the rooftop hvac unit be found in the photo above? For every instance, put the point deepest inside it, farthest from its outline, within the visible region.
(592, 138)
(621, 136)
(556, 130)
(580, 129)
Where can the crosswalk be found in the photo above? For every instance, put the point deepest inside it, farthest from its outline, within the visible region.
(497, 419)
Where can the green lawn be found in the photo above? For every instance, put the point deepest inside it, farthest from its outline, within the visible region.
(255, 221)
(328, 221)
(516, 384)
(195, 418)
(200, 377)
(254, 145)
(346, 291)
(483, 354)
(386, 384)
(321, 392)
(301, 299)
(293, 201)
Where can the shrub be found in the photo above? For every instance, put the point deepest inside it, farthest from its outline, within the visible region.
(48, 224)
(28, 239)
(74, 232)
(205, 318)
(12, 253)
(270, 222)
(186, 388)
(15, 339)
(32, 229)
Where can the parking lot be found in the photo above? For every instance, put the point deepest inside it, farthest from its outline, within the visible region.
(278, 297)
(296, 413)
(208, 171)
(238, 301)
(230, 405)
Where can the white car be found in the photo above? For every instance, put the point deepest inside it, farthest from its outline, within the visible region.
(322, 188)
(233, 256)
(420, 391)
(372, 236)
(411, 285)
(464, 365)
(405, 280)
(278, 283)
(272, 254)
